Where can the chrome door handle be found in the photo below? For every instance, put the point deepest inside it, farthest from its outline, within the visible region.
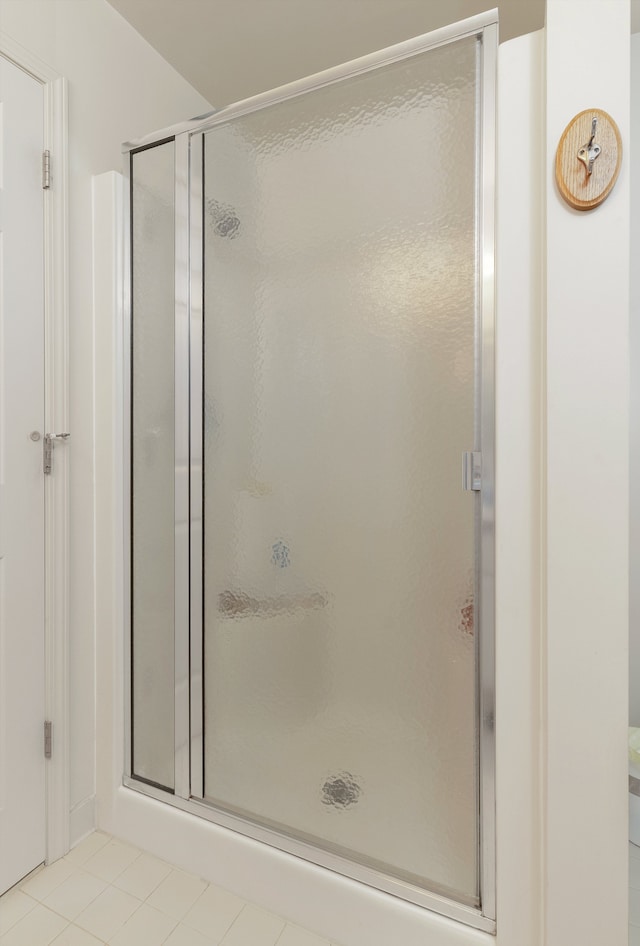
(472, 471)
(47, 449)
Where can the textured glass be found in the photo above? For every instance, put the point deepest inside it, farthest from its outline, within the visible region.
(339, 565)
(152, 450)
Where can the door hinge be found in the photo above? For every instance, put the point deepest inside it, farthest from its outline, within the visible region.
(47, 449)
(46, 170)
(472, 471)
(48, 727)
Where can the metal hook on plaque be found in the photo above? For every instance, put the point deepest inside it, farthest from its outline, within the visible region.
(589, 152)
(586, 190)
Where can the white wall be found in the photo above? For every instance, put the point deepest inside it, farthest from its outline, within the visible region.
(634, 340)
(586, 510)
(342, 910)
(119, 89)
(519, 379)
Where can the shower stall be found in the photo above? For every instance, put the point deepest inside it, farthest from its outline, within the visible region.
(309, 520)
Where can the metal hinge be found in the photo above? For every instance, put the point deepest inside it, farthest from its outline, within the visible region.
(47, 449)
(48, 726)
(472, 471)
(46, 170)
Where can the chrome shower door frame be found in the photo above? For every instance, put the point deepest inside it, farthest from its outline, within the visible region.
(183, 514)
(189, 322)
(485, 439)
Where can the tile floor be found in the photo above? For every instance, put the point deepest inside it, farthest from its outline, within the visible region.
(105, 891)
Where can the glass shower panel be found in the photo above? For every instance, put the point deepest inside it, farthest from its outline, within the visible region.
(152, 463)
(341, 275)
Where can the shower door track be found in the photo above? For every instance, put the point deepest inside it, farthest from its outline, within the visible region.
(188, 793)
(429, 899)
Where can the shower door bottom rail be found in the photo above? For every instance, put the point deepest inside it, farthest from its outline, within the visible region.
(430, 900)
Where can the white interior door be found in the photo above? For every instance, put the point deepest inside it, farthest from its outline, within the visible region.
(22, 765)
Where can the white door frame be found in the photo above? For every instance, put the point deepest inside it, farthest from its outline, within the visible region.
(56, 419)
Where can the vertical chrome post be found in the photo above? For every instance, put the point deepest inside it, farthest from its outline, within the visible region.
(486, 652)
(196, 468)
(127, 264)
(181, 356)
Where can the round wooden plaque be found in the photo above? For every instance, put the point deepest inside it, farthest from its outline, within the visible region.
(581, 190)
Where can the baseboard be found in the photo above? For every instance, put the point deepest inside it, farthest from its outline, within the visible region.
(82, 820)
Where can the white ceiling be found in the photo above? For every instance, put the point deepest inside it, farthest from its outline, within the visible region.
(231, 49)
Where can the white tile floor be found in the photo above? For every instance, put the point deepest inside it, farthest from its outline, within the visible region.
(105, 891)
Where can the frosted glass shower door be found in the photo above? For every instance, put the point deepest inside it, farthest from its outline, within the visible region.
(341, 322)
(152, 185)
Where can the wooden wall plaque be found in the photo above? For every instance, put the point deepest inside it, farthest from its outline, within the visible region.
(581, 190)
